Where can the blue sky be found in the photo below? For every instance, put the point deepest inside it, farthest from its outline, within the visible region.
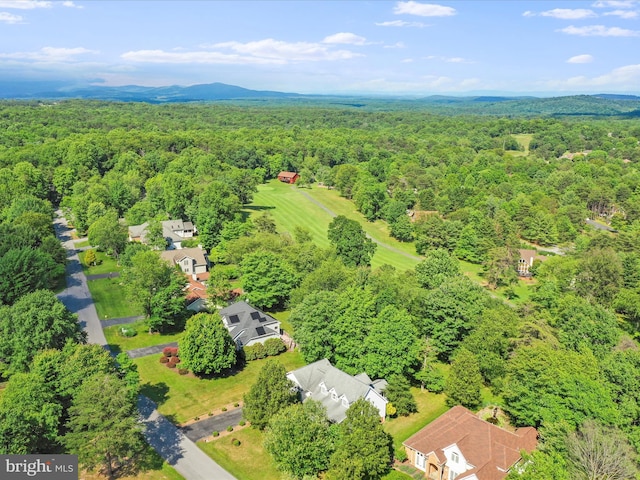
(341, 47)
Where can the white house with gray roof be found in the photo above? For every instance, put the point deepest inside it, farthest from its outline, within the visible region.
(174, 232)
(337, 390)
(248, 325)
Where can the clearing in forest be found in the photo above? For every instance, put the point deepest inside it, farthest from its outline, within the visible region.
(312, 208)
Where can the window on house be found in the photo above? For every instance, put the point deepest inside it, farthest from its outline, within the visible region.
(334, 396)
(455, 458)
(452, 474)
(323, 389)
(345, 402)
(420, 461)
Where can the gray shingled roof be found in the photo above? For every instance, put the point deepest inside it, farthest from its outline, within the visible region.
(311, 377)
(247, 323)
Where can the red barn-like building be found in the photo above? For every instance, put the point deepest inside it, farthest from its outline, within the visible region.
(288, 177)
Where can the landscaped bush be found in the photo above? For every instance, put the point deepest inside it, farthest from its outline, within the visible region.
(400, 454)
(274, 346)
(215, 434)
(224, 409)
(210, 414)
(170, 365)
(166, 351)
(242, 423)
(128, 332)
(183, 371)
(235, 442)
(174, 360)
(174, 351)
(164, 360)
(230, 428)
(254, 352)
(236, 404)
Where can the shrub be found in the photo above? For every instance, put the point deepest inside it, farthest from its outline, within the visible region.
(215, 433)
(242, 423)
(400, 454)
(230, 428)
(224, 409)
(235, 442)
(183, 371)
(170, 365)
(196, 418)
(128, 332)
(255, 352)
(210, 414)
(174, 351)
(164, 360)
(174, 360)
(274, 346)
(166, 351)
(236, 404)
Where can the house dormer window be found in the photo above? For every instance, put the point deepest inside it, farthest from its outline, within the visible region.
(323, 388)
(345, 402)
(334, 396)
(455, 458)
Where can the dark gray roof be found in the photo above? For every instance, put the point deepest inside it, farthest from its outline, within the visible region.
(247, 323)
(311, 378)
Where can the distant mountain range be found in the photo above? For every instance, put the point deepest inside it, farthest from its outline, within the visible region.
(600, 104)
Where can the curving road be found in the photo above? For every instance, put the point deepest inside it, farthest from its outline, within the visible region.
(167, 439)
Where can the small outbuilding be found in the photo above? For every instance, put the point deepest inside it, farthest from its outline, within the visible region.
(288, 177)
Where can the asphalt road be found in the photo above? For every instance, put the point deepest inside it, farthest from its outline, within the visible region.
(76, 297)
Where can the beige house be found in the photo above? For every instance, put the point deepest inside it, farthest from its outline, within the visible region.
(459, 445)
(525, 262)
(174, 232)
(192, 261)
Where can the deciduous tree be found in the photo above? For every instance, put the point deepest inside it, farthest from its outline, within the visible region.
(350, 241)
(206, 348)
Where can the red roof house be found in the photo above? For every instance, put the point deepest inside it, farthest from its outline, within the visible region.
(460, 445)
(288, 177)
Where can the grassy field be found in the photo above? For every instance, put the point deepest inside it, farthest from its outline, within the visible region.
(183, 397)
(290, 207)
(109, 298)
(82, 244)
(430, 406)
(118, 343)
(523, 139)
(105, 264)
(284, 321)
(242, 461)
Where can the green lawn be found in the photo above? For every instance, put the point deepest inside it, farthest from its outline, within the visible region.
(249, 461)
(118, 343)
(290, 207)
(284, 321)
(150, 466)
(183, 397)
(82, 244)
(430, 406)
(105, 264)
(109, 298)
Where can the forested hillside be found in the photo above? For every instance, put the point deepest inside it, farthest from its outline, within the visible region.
(472, 188)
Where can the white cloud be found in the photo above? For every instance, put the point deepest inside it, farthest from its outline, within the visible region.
(623, 77)
(407, 60)
(268, 51)
(401, 23)
(599, 31)
(396, 45)
(6, 17)
(49, 54)
(345, 38)
(581, 59)
(528, 13)
(569, 13)
(423, 9)
(25, 4)
(623, 13)
(615, 4)
(69, 4)
(448, 59)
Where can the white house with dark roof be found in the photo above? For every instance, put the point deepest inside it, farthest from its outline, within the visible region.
(248, 325)
(174, 232)
(337, 390)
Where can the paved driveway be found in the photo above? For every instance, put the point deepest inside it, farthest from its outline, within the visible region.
(204, 428)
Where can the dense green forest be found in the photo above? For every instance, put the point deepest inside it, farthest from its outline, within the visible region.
(479, 189)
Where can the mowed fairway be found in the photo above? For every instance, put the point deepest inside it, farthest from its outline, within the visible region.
(291, 207)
